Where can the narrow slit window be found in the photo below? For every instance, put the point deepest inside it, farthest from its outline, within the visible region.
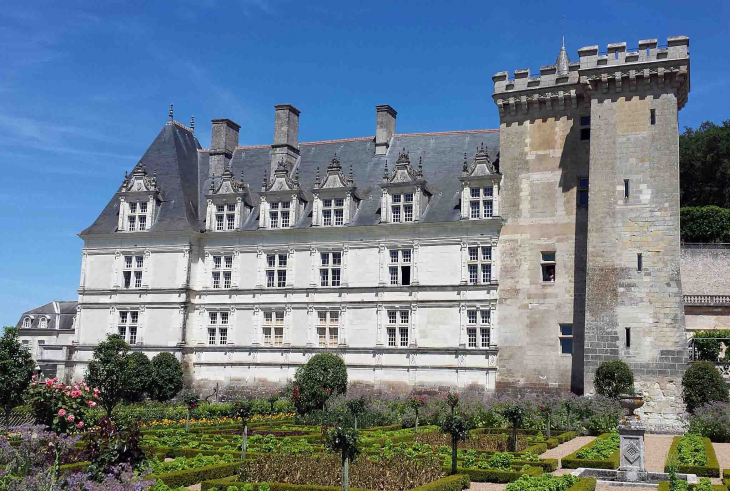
(639, 262)
(652, 113)
(628, 337)
(626, 189)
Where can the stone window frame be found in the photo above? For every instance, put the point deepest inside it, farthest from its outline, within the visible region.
(396, 325)
(479, 326)
(27, 322)
(328, 327)
(330, 268)
(399, 265)
(43, 322)
(131, 264)
(479, 263)
(547, 265)
(138, 213)
(221, 271)
(482, 199)
(276, 268)
(221, 330)
(416, 204)
(564, 337)
(127, 320)
(582, 188)
(271, 323)
(277, 208)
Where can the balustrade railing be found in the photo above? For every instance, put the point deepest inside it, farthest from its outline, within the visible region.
(707, 300)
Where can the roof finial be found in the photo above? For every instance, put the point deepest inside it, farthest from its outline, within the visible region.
(351, 176)
(563, 42)
(465, 167)
(420, 164)
(170, 115)
(562, 64)
(192, 124)
(316, 178)
(263, 185)
(385, 171)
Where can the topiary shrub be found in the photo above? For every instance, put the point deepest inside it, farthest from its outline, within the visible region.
(613, 378)
(139, 376)
(701, 384)
(323, 376)
(167, 377)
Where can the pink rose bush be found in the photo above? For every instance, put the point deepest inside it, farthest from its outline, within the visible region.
(62, 407)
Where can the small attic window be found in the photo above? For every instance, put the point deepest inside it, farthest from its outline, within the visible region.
(26, 323)
(43, 323)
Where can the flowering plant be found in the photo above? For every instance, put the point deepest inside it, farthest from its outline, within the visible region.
(62, 407)
(191, 399)
(417, 402)
(452, 400)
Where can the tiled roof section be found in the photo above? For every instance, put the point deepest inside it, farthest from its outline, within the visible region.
(442, 154)
(174, 157)
(61, 312)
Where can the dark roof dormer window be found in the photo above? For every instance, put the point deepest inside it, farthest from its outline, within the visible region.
(139, 198)
(405, 192)
(480, 187)
(282, 199)
(336, 198)
(229, 203)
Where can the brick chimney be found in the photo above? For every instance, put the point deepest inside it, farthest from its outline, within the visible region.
(286, 136)
(384, 128)
(223, 142)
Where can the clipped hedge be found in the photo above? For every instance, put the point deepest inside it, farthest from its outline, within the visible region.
(584, 484)
(571, 461)
(664, 486)
(547, 465)
(194, 476)
(538, 448)
(72, 468)
(712, 469)
(493, 475)
(449, 483)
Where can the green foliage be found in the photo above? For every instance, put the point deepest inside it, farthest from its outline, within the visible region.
(613, 378)
(544, 482)
(705, 224)
(572, 461)
(242, 410)
(712, 421)
(109, 446)
(601, 449)
(702, 384)
(704, 165)
(139, 376)
(675, 484)
(343, 440)
(185, 463)
(64, 408)
(323, 376)
(108, 371)
(167, 377)
(16, 370)
(456, 426)
(193, 476)
(691, 451)
(501, 461)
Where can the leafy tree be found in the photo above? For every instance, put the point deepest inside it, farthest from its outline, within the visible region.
(357, 407)
(16, 370)
(244, 411)
(108, 371)
(458, 428)
(515, 412)
(704, 165)
(613, 378)
(167, 377)
(701, 384)
(416, 403)
(324, 376)
(347, 441)
(139, 376)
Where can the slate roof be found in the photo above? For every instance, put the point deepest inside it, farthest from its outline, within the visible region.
(66, 309)
(182, 174)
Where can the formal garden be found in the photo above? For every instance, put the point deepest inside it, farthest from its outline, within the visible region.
(130, 425)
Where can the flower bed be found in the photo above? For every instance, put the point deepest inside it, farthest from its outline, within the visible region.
(450, 483)
(689, 452)
(495, 475)
(552, 483)
(664, 486)
(196, 475)
(596, 458)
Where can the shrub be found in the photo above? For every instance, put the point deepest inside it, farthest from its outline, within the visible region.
(691, 450)
(167, 377)
(613, 378)
(108, 371)
(109, 447)
(600, 414)
(16, 370)
(712, 421)
(702, 384)
(458, 428)
(323, 376)
(544, 482)
(705, 224)
(62, 407)
(501, 461)
(139, 376)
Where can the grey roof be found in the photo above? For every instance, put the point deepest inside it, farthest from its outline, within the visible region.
(62, 312)
(182, 173)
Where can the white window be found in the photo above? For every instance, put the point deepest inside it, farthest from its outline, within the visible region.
(26, 344)
(400, 267)
(566, 339)
(328, 328)
(274, 322)
(276, 270)
(333, 212)
(398, 327)
(547, 264)
(43, 323)
(217, 327)
(478, 323)
(279, 214)
(132, 272)
(330, 268)
(225, 217)
(41, 343)
(402, 207)
(26, 323)
(136, 216)
(222, 270)
(127, 328)
(479, 265)
(481, 202)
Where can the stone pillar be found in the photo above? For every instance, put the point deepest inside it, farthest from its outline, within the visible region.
(631, 467)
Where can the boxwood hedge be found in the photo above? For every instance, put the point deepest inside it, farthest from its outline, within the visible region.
(711, 469)
(571, 461)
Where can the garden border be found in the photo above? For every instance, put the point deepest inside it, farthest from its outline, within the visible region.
(712, 469)
(449, 483)
(571, 461)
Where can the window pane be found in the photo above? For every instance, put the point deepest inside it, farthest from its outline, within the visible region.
(391, 316)
(271, 260)
(219, 222)
(393, 256)
(473, 274)
(131, 223)
(279, 318)
(486, 273)
(322, 334)
(408, 197)
(474, 209)
(123, 317)
(339, 202)
(488, 209)
(138, 279)
(566, 346)
(406, 255)
(274, 217)
(284, 219)
(327, 203)
(548, 256)
(282, 260)
(566, 329)
(219, 208)
(132, 207)
(143, 222)
(128, 262)
(226, 280)
(275, 205)
(229, 262)
(336, 277)
(132, 334)
(231, 220)
(267, 335)
(327, 217)
(391, 336)
(323, 277)
(471, 316)
(488, 191)
(336, 258)
(334, 318)
(474, 192)
(213, 317)
(404, 336)
(224, 317)
(404, 316)
(223, 338)
(486, 253)
(322, 317)
(334, 336)
(396, 213)
(339, 217)
(281, 279)
(285, 204)
(231, 208)
(133, 316)
(396, 198)
(139, 261)
(216, 262)
(473, 253)
(123, 332)
(583, 197)
(408, 213)
(216, 280)
(267, 317)
(393, 275)
(486, 316)
(585, 120)
(211, 336)
(485, 337)
(270, 278)
(472, 333)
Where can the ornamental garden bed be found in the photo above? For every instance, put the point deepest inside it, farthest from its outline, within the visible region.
(694, 455)
(601, 453)
(553, 483)
(450, 483)
(664, 486)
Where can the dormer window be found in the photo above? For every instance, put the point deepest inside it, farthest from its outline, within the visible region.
(279, 214)
(405, 192)
(26, 323)
(480, 187)
(228, 203)
(335, 197)
(137, 217)
(139, 197)
(43, 323)
(282, 200)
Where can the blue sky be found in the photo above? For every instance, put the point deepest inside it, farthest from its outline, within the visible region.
(85, 88)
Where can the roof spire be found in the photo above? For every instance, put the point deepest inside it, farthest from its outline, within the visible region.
(169, 117)
(385, 171)
(192, 124)
(562, 64)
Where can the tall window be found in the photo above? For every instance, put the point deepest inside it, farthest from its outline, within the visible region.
(582, 191)
(218, 328)
(279, 214)
(43, 323)
(479, 265)
(333, 212)
(132, 271)
(585, 128)
(566, 339)
(222, 270)
(328, 328)
(402, 207)
(274, 323)
(478, 323)
(330, 268)
(400, 267)
(137, 216)
(548, 266)
(26, 323)
(128, 321)
(398, 327)
(276, 270)
(481, 202)
(225, 217)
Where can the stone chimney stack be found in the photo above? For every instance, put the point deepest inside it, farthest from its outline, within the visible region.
(286, 137)
(223, 142)
(384, 128)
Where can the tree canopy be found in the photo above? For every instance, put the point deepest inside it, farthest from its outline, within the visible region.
(16, 370)
(704, 165)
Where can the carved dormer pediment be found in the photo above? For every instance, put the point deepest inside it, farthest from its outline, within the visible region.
(334, 178)
(139, 197)
(227, 185)
(480, 186)
(282, 199)
(281, 180)
(139, 181)
(229, 202)
(406, 193)
(481, 166)
(404, 172)
(336, 198)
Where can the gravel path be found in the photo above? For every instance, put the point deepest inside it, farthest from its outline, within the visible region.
(567, 448)
(488, 486)
(656, 448)
(722, 450)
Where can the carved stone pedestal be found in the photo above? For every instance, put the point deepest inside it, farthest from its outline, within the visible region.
(631, 467)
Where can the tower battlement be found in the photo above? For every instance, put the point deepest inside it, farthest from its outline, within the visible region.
(610, 71)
